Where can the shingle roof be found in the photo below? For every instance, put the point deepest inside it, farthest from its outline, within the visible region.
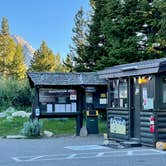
(133, 69)
(41, 78)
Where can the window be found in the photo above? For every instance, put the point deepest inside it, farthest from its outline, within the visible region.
(147, 92)
(89, 98)
(119, 93)
(164, 90)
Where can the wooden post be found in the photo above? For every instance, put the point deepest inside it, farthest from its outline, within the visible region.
(79, 122)
(36, 101)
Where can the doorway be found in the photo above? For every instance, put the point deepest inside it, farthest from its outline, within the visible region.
(136, 107)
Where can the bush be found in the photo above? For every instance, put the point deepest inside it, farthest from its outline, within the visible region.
(15, 93)
(32, 128)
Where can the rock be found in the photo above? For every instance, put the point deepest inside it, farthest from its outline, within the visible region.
(10, 110)
(83, 132)
(48, 134)
(22, 114)
(105, 136)
(106, 142)
(9, 118)
(3, 114)
(16, 137)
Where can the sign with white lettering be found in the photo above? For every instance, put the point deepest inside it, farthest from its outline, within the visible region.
(117, 125)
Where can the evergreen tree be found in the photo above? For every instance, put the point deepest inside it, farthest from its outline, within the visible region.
(68, 64)
(95, 49)
(79, 41)
(18, 67)
(43, 60)
(160, 44)
(59, 65)
(130, 29)
(7, 51)
(4, 26)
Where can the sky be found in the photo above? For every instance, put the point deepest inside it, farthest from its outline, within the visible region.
(38, 20)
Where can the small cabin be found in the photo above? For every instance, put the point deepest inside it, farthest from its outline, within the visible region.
(59, 95)
(137, 101)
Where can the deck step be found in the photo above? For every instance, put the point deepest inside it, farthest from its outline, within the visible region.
(129, 144)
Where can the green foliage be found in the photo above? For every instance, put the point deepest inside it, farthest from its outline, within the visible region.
(59, 66)
(32, 128)
(11, 127)
(11, 55)
(5, 26)
(77, 50)
(60, 126)
(7, 52)
(68, 64)
(123, 31)
(15, 93)
(43, 60)
(95, 49)
(18, 67)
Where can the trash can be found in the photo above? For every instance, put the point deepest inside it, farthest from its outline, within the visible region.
(92, 122)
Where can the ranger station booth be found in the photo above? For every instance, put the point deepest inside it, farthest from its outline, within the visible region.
(68, 95)
(137, 101)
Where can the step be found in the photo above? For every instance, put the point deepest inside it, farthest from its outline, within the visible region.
(129, 144)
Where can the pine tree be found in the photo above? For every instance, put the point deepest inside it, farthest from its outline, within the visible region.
(7, 51)
(18, 67)
(130, 28)
(59, 66)
(43, 60)
(68, 64)
(95, 49)
(79, 41)
(4, 26)
(160, 44)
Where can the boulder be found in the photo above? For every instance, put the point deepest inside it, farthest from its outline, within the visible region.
(3, 114)
(16, 137)
(48, 134)
(22, 114)
(10, 110)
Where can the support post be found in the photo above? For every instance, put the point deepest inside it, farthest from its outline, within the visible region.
(79, 122)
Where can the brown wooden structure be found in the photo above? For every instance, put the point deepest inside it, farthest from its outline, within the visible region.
(59, 95)
(137, 101)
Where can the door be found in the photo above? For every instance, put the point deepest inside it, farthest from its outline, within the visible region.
(136, 109)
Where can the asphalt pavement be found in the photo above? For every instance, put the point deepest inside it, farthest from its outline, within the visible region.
(75, 151)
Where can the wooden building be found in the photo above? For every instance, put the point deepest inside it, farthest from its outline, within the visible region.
(59, 95)
(137, 101)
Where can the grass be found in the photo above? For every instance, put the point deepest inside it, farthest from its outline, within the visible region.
(57, 126)
(11, 127)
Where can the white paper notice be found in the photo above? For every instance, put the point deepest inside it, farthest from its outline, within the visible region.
(49, 108)
(103, 101)
(74, 107)
(145, 93)
(68, 108)
(59, 107)
(149, 104)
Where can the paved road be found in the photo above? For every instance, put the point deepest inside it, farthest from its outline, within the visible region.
(75, 151)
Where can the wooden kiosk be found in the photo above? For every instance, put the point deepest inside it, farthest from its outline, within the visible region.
(137, 101)
(59, 95)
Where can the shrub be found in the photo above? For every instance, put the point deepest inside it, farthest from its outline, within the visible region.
(15, 93)
(32, 128)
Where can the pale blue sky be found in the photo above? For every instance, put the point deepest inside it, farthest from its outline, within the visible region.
(37, 20)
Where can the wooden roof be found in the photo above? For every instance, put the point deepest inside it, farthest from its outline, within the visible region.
(134, 69)
(64, 79)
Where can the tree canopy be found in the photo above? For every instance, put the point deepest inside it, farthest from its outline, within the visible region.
(124, 31)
